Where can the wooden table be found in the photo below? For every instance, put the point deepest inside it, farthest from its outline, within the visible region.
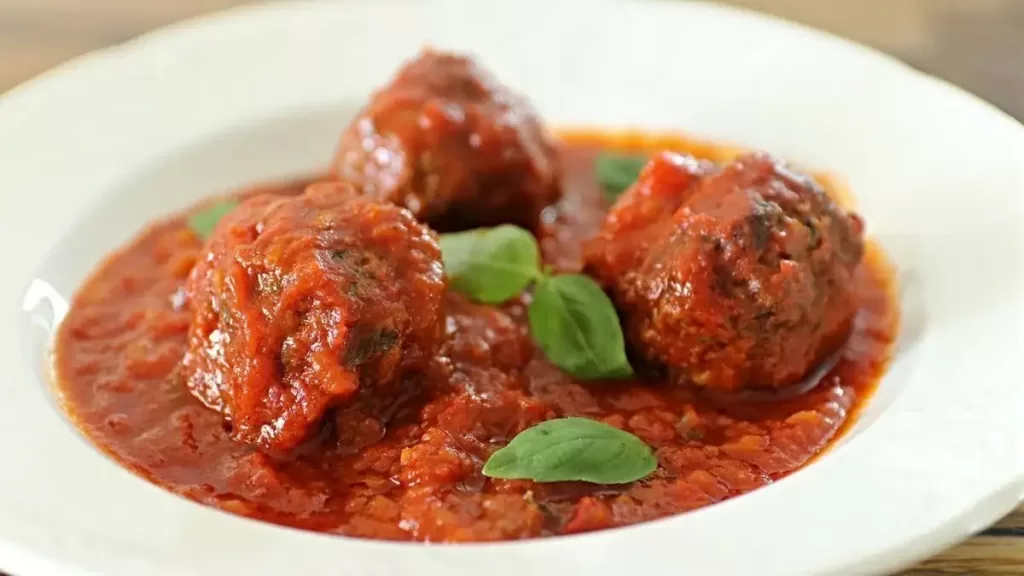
(978, 44)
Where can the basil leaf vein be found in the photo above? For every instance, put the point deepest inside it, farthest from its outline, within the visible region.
(491, 265)
(573, 449)
(570, 317)
(576, 326)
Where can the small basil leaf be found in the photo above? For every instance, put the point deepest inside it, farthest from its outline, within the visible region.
(575, 323)
(204, 221)
(573, 449)
(491, 265)
(616, 172)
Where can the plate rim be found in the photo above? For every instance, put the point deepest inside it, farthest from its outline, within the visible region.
(113, 57)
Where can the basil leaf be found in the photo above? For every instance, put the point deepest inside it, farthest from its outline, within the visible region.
(204, 221)
(616, 172)
(573, 449)
(575, 323)
(491, 265)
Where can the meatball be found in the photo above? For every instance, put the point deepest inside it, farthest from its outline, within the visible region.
(298, 303)
(731, 279)
(451, 144)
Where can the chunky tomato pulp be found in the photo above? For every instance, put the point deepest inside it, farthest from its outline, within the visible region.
(408, 467)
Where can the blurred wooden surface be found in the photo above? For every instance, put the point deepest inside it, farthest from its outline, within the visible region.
(977, 44)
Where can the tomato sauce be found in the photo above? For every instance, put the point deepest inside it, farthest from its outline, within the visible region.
(408, 467)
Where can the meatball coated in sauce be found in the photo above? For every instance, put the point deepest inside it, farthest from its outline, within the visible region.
(625, 238)
(733, 279)
(451, 144)
(298, 303)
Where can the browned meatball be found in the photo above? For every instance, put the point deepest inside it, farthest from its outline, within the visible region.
(732, 279)
(300, 302)
(451, 144)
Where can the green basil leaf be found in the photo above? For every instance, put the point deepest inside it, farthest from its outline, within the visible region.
(204, 221)
(491, 265)
(616, 172)
(573, 449)
(575, 323)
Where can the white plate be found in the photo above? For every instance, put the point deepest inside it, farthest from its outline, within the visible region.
(92, 151)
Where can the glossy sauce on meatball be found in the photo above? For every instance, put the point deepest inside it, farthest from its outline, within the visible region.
(298, 303)
(451, 144)
(737, 278)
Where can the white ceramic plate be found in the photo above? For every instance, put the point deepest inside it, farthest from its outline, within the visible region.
(92, 151)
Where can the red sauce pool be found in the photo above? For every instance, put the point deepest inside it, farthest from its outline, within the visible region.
(409, 469)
